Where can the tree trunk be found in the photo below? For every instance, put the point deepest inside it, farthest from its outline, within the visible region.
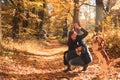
(99, 14)
(65, 28)
(16, 19)
(15, 29)
(41, 15)
(76, 12)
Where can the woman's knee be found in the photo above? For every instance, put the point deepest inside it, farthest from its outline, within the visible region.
(76, 62)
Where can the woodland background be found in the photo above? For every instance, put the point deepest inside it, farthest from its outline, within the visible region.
(29, 26)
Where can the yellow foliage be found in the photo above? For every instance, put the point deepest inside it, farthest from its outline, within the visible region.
(107, 23)
(29, 3)
(117, 6)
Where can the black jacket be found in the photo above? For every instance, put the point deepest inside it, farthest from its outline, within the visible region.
(72, 45)
(78, 42)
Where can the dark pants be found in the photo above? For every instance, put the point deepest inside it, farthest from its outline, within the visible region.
(76, 61)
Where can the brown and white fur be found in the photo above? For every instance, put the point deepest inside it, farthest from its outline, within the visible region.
(99, 48)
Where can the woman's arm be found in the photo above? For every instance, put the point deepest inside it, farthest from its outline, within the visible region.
(85, 33)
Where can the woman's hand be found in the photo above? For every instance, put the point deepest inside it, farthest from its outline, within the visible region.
(77, 26)
(78, 51)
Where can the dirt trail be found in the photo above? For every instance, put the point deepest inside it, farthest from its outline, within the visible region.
(47, 64)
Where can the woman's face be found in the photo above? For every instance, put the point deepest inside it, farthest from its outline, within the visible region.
(73, 36)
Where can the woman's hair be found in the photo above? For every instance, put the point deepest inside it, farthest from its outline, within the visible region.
(69, 36)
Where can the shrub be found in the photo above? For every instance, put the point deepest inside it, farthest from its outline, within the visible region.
(113, 43)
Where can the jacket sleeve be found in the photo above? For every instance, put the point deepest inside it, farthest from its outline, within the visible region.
(85, 33)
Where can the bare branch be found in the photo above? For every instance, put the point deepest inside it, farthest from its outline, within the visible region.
(88, 4)
(83, 3)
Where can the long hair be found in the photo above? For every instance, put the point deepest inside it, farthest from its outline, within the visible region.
(69, 36)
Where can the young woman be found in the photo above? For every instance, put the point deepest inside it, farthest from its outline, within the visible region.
(78, 53)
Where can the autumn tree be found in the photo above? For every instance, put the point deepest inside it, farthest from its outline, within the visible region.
(16, 18)
(21, 20)
(103, 10)
(99, 14)
(110, 5)
(41, 14)
(76, 11)
(60, 13)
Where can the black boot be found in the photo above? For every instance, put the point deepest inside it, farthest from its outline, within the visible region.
(68, 69)
(85, 67)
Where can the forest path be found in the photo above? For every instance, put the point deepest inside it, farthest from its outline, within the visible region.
(47, 64)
